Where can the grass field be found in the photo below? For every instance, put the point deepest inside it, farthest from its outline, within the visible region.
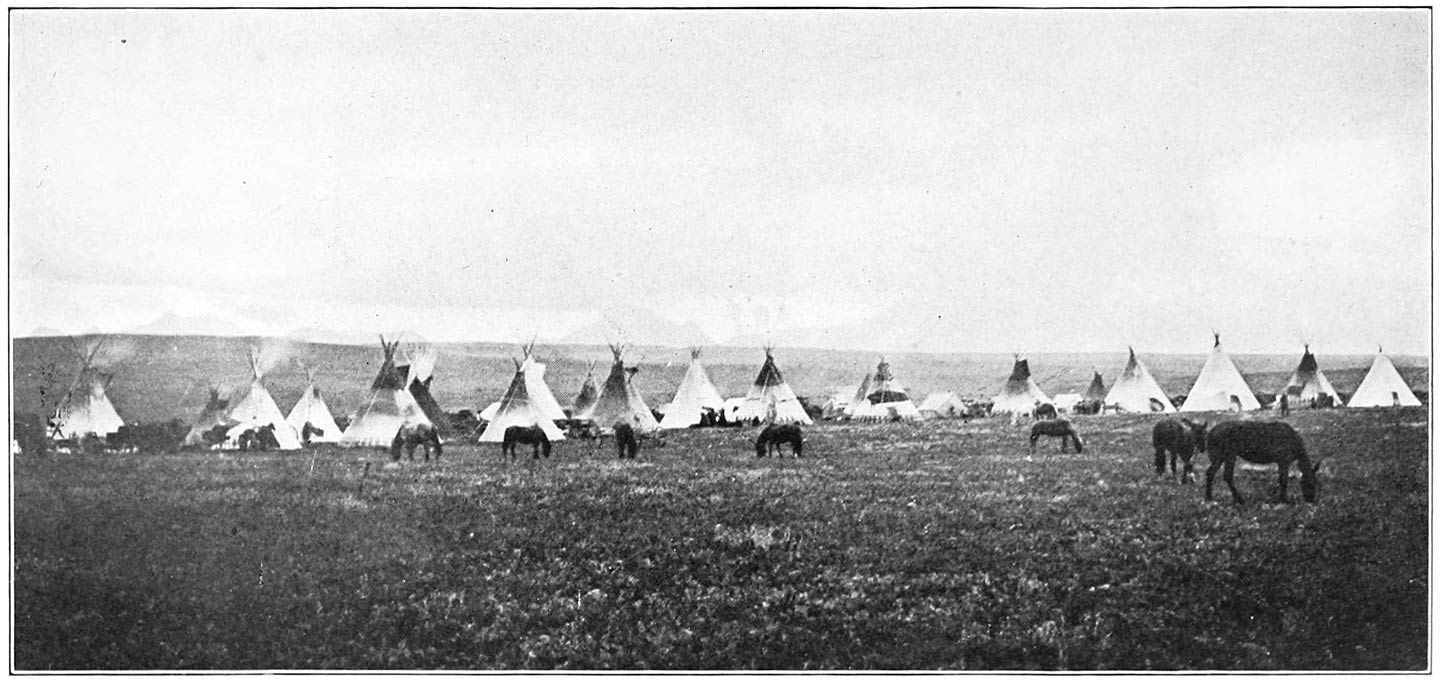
(938, 546)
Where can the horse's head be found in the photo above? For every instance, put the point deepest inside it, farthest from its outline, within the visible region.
(1310, 480)
(1202, 430)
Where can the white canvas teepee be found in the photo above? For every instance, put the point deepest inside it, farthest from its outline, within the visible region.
(771, 399)
(257, 409)
(619, 400)
(857, 401)
(886, 400)
(1383, 387)
(942, 404)
(694, 396)
(1219, 386)
(538, 389)
(1020, 394)
(390, 407)
(86, 410)
(519, 408)
(1137, 391)
(1308, 386)
(311, 410)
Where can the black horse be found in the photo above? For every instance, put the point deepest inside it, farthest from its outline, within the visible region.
(1060, 428)
(308, 431)
(1181, 438)
(626, 444)
(532, 435)
(410, 436)
(774, 436)
(1045, 411)
(1262, 443)
(260, 438)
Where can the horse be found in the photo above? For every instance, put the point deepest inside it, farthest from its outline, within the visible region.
(308, 431)
(1261, 443)
(1089, 407)
(1060, 428)
(774, 436)
(1045, 411)
(409, 436)
(626, 444)
(260, 438)
(1181, 438)
(533, 435)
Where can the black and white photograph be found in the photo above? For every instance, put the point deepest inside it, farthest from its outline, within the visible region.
(728, 339)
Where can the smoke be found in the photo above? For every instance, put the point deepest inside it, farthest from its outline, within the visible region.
(106, 352)
(272, 353)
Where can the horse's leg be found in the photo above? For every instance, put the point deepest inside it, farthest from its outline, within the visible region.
(1160, 460)
(1284, 467)
(1215, 465)
(1189, 468)
(1230, 481)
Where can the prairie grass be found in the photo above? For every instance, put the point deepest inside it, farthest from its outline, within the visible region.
(895, 547)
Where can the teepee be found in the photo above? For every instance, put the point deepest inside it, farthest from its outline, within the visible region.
(257, 409)
(1137, 391)
(1219, 386)
(619, 400)
(215, 414)
(1308, 384)
(538, 389)
(695, 395)
(886, 400)
(771, 399)
(858, 401)
(1020, 394)
(519, 408)
(86, 409)
(419, 371)
(1383, 387)
(311, 410)
(390, 406)
(588, 393)
(1096, 391)
(942, 404)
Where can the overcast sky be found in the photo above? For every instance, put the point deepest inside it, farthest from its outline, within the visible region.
(921, 180)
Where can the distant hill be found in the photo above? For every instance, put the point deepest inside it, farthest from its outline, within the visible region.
(174, 324)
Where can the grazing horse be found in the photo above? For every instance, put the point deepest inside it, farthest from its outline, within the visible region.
(258, 439)
(626, 444)
(1181, 438)
(533, 435)
(1060, 428)
(1262, 443)
(774, 436)
(1045, 411)
(410, 436)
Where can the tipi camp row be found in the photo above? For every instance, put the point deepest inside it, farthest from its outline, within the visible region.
(400, 395)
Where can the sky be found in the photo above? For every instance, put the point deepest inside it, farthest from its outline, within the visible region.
(910, 180)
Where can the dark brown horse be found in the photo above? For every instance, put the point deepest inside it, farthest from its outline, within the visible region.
(1262, 443)
(410, 436)
(1181, 438)
(626, 443)
(1045, 411)
(774, 436)
(532, 435)
(1060, 428)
